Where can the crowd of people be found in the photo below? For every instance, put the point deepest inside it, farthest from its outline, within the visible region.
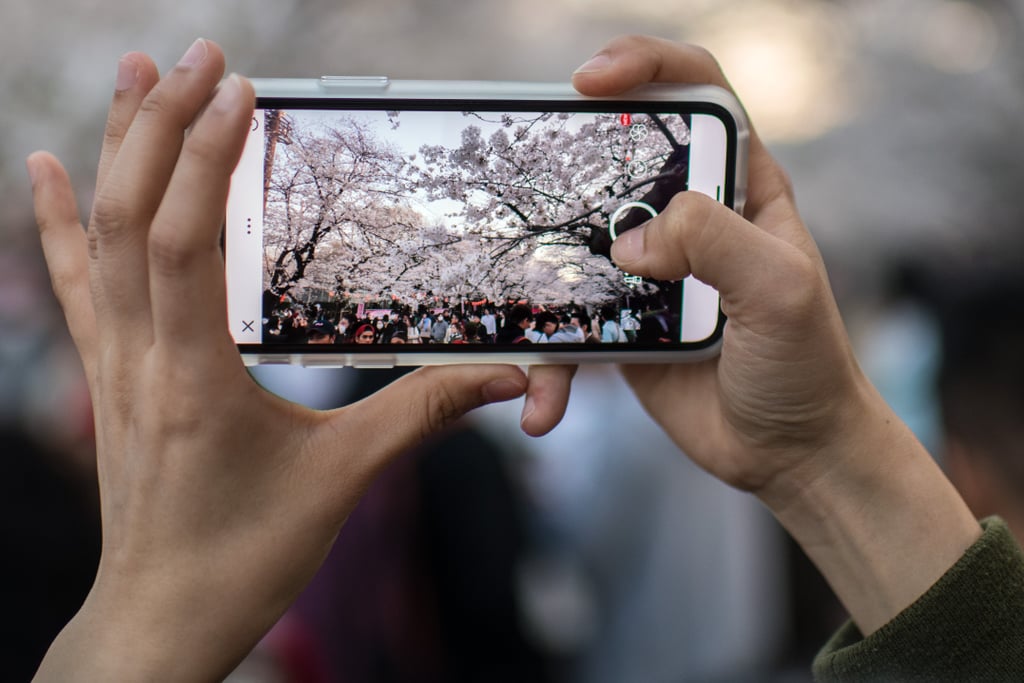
(510, 323)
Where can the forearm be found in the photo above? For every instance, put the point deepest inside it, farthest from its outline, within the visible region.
(878, 517)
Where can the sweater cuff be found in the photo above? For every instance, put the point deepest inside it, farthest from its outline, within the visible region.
(967, 624)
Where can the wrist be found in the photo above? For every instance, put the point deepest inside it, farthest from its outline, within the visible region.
(875, 513)
(160, 628)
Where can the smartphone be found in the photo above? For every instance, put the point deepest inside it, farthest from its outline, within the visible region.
(374, 222)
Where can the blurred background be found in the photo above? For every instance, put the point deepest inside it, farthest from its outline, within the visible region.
(597, 553)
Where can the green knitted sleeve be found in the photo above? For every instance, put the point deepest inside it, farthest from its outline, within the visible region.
(969, 626)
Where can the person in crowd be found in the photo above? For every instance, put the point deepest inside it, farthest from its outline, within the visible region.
(220, 500)
(320, 332)
(425, 324)
(611, 330)
(568, 332)
(439, 329)
(385, 329)
(980, 375)
(365, 334)
(545, 324)
(490, 323)
(629, 324)
(474, 333)
(517, 322)
(454, 331)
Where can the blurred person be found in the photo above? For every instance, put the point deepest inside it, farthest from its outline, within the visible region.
(345, 323)
(629, 324)
(611, 330)
(569, 332)
(412, 330)
(454, 330)
(490, 323)
(426, 324)
(545, 325)
(386, 328)
(474, 332)
(320, 332)
(49, 526)
(439, 329)
(415, 589)
(900, 349)
(364, 334)
(517, 322)
(784, 412)
(980, 385)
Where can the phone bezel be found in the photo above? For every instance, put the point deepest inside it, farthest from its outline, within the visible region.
(376, 93)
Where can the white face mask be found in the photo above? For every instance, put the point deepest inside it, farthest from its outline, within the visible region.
(380, 325)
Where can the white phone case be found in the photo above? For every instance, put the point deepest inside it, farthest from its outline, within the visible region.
(381, 93)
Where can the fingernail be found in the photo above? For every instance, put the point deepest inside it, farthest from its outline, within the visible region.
(598, 62)
(629, 247)
(195, 54)
(528, 407)
(228, 94)
(502, 390)
(127, 74)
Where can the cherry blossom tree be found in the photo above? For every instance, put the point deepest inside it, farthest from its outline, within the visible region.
(524, 207)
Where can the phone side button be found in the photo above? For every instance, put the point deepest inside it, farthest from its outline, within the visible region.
(273, 360)
(375, 363)
(347, 83)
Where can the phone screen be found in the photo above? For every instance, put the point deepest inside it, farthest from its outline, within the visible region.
(355, 224)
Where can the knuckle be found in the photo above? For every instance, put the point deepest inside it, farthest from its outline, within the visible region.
(628, 40)
(691, 213)
(109, 217)
(159, 104)
(440, 409)
(800, 287)
(113, 133)
(169, 254)
(204, 152)
(705, 58)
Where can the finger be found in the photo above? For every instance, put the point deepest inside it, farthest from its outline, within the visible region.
(420, 404)
(630, 61)
(547, 397)
(698, 236)
(135, 184)
(186, 266)
(66, 251)
(136, 76)
(626, 62)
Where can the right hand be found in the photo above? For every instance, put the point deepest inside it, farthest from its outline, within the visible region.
(786, 381)
(784, 411)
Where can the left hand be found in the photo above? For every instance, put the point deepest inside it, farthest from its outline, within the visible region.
(219, 500)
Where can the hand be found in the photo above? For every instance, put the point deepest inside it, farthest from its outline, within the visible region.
(786, 377)
(219, 500)
(784, 411)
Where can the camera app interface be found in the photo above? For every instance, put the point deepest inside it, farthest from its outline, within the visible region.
(349, 227)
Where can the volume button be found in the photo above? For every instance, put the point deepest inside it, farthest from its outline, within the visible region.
(355, 82)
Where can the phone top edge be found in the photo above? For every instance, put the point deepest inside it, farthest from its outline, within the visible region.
(383, 88)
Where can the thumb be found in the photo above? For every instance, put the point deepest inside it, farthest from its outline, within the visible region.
(753, 269)
(413, 408)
